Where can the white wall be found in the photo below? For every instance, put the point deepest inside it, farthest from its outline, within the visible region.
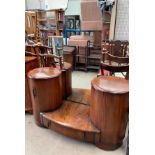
(35, 4)
(56, 4)
(73, 7)
(46, 4)
(122, 20)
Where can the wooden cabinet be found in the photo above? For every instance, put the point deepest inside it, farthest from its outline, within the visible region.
(46, 90)
(30, 23)
(72, 22)
(49, 23)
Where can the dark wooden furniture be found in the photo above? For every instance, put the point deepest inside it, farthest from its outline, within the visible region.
(116, 47)
(48, 60)
(93, 58)
(30, 24)
(49, 23)
(46, 90)
(69, 55)
(114, 64)
(31, 62)
(109, 109)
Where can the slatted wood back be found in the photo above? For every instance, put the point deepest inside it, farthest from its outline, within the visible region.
(116, 47)
(114, 63)
(48, 60)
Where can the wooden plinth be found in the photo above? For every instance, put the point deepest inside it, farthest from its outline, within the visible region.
(109, 110)
(46, 90)
(31, 62)
(72, 119)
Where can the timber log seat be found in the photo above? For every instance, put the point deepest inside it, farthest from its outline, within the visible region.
(46, 90)
(109, 109)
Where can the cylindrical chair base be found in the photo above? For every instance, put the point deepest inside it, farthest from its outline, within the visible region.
(46, 90)
(109, 110)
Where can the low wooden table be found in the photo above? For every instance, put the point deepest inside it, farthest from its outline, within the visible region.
(46, 90)
(109, 109)
(31, 62)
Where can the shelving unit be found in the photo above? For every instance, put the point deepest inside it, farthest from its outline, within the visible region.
(49, 23)
(72, 22)
(30, 23)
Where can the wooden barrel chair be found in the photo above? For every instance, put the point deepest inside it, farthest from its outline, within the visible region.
(111, 64)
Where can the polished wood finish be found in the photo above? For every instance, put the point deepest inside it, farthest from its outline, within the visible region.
(47, 60)
(30, 22)
(72, 119)
(114, 64)
(31, 62)
(80, 96)
(116, 47)
(66, 80)
(69, 55)
(109, 109)
(46, 90)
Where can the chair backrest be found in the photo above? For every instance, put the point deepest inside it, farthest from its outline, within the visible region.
(42, 49)
(114, 63)
(48, 60)
(116, 47)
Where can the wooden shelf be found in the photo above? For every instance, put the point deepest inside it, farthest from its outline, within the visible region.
(49, 19)
(45, 19)
(106, 22)
(83, 56)
(50, 30)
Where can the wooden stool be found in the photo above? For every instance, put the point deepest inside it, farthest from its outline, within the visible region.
(31, 62)
(109, 109)
(46, 90)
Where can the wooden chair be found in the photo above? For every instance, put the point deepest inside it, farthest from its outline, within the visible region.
(48, 60)
(42, 49)
(111, 64)
(116, 47)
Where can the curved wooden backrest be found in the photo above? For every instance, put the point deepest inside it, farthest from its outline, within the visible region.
(42, 49)
(116, 47)
(48, 60)
(114, 63)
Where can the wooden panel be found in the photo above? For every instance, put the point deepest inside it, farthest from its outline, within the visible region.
(30, 63)
(30, 22)
(46, 90)
(109, 111)
(72, 119)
